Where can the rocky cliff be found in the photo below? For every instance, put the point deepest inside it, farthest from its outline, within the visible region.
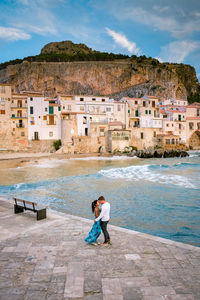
(127, 77)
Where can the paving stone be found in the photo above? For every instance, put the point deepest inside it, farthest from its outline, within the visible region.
(35, 295)
(111, 286)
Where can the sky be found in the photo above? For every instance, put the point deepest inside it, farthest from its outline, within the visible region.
(168, 30)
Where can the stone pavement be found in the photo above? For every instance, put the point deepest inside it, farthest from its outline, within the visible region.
(49, 259)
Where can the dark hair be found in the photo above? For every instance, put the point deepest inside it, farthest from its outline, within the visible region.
(93, 205)
(101, 198)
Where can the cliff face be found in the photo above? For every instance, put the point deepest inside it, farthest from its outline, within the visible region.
(119, 78)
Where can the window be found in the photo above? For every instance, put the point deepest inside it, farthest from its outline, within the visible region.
(108, 108)
(51, 110)
(69, 107)
(154, 133)
(167, 141)
(173, 141)
(50, 133)
(198, 112)
(149, 112)
(143, 103)
(179, 126)
(142, 135)
(93, 99)
(46, 109)
(81, 108)
(198, 125)
(44, 118)
(103, 100)
(146, 112)
(20, 124)
(22, 133)
(31, 99)
(59, 108)
(84, 120)
(118, 107)
(3, 90)
(2, 101)
(167, 125)
(154, 114)
(81, 99)
(136, 102)
(153, 103)
(102, 133)
(31, 110)
(179, 117)
(3, 112)
(191, 126)
(136, 113)
(94, 129)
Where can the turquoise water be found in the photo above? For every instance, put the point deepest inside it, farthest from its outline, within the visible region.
(156, 196)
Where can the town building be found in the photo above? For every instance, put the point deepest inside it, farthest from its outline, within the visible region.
(19, 121)
(5, 114)
(32, 122)
(193, 125)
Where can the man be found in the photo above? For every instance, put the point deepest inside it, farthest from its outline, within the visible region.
(104, 217)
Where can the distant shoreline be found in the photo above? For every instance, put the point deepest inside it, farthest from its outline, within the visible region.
(16, 159)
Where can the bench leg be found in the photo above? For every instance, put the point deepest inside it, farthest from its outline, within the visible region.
(18, 209)
(41, 214)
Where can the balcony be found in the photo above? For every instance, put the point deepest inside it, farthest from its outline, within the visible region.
(51, 123)
(18, 107)
(20, 125)
(19, 117)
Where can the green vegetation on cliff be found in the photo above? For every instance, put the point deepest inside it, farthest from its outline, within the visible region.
(67, 51)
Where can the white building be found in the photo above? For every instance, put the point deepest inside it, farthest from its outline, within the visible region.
(44, 120)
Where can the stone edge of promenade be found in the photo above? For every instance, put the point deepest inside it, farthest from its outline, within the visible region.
(54, 213)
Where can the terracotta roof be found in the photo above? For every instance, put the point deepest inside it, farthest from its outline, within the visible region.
(167, 135)
(115, 123)
(151, 96)
(193, 118)
(74, 113)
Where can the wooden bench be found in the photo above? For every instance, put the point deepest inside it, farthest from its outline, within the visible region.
(21, 205)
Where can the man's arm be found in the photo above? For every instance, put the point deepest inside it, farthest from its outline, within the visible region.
(100, 216)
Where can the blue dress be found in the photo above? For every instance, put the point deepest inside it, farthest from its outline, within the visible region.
(94, 233)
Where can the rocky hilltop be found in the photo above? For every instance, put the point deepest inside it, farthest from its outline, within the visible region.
(66, 47)
(69, 68)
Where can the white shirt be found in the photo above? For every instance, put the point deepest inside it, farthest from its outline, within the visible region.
(105, 213)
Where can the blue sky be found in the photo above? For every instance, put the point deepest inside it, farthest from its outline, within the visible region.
(168, 30)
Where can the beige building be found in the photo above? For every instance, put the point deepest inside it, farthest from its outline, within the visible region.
(145, 121)
(19, 121)
(193, 125)
(5, 114)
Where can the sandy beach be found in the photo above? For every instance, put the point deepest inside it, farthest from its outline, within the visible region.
(10, 159)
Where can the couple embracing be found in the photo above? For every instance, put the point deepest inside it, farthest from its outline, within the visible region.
(101, 209)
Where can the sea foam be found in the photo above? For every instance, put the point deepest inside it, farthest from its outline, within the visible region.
(147, 173)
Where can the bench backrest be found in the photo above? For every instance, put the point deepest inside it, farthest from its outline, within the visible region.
(25, 202)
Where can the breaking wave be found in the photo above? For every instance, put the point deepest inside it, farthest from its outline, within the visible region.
(148, 173)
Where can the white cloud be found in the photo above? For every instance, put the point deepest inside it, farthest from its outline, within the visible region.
(13, 34)
(35, 16)
(177, 51)
(122, 40)
(168, 16)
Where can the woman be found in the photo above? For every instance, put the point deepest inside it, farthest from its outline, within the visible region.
(96, 228)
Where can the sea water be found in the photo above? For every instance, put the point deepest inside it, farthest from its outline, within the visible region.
(156, 196)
